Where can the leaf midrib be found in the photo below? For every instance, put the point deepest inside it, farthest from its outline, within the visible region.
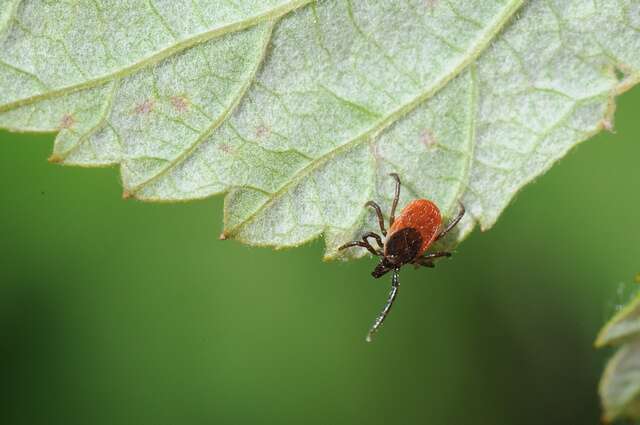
(473, 53)
(273, 15)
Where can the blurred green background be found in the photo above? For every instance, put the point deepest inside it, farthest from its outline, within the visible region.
(119, 312)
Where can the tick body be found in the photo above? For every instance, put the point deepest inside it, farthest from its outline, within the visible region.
(410, 235)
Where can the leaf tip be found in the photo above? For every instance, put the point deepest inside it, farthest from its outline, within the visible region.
(127, 195)
(55, 158)
(600, 341)
(607, 125)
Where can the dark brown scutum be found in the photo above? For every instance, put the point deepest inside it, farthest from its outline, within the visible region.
(403, 246)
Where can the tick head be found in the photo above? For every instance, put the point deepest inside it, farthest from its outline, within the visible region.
(380, 270)
(385, 265)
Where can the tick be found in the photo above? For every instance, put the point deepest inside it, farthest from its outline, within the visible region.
(410, 235)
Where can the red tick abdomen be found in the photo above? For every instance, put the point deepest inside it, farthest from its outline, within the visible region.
(422, 215)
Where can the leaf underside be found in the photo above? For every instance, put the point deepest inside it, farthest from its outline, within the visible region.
(299, 110)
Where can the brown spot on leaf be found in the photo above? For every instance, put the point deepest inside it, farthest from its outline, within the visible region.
(263, 132)
(622, 73)
(145, 107)
(430, 4)
(226, 148)
(427, 138)
(55, 158)
(222, 236)
(67, 121)
(180, 103)
(606, 123)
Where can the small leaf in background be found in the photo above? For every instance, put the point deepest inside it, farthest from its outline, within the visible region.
(620, 383)
(624, 325)
(299, 109)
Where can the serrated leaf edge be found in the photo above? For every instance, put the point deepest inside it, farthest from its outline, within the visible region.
(473, 53)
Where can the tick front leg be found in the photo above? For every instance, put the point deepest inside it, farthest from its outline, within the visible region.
(395, 284)
(375, 236)
(362, 244)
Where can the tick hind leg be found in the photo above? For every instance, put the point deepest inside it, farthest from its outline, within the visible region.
(378, 211)
(427, 260)
(396, 198)
(452, 223)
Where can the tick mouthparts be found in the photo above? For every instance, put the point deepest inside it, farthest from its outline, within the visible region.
(379, 271)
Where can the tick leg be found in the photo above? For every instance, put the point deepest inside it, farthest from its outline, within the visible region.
(452, 223)
(374, 236)
(427, 260)
(395, 284)
(434, 255)
(362, 244)
(396, 197)
(376, 207)
(420, 262)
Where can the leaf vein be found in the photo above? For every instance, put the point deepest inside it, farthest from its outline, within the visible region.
(219, 121)
(472, 53)
(158, 56)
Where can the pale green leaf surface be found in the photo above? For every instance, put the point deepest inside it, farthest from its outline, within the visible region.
(300, 109)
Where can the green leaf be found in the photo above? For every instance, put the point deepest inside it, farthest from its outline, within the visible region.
(623, 326)
(620, 383)
(299, 109)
